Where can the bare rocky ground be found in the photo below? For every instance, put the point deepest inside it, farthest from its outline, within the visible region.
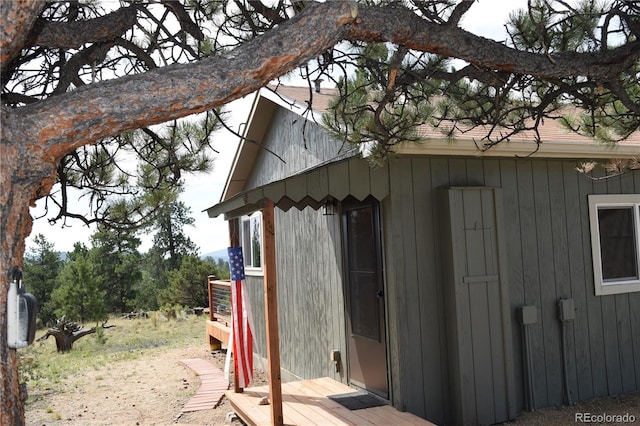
(147, 391)
(153, 389)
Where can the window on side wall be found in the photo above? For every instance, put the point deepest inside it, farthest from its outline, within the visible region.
(251, 237)
(615, 242)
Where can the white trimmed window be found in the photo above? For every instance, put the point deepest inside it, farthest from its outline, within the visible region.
(251, 237)
(615, 242)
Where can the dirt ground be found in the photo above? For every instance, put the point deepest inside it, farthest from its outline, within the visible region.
(145, 391)
(152, 390)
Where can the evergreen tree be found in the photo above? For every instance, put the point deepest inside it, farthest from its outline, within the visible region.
(170, 246)
(170, 240)
(117, 266)
(188, 284)
(154, 280)
(41, 267)
(223, 268)
(78, 296)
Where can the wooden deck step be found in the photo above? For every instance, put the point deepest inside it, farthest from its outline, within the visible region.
(213, 385)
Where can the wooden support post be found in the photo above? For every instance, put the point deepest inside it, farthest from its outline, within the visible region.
(210, 290)
(234, 241)
(271, 313)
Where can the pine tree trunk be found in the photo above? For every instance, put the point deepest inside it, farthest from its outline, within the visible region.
(15, 223)
(24, 175)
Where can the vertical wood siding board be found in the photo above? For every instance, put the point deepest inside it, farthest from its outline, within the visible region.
(627, 366)
(594, 303)
(452, 232)
(393, 311)
(482, 363)
(531, 276)
(558, 216)
(475, 246)
(513, 232)
(319, 306)
(548, 292)
(489, 231)
(457, 172)
(475, 172)
(581, 357)
(427, 280)
(283, 222)
(462, 310)
(339, 293)
(439, 174)
(491, 173)
(496, 383)
(559, 233)
(499, 363)
(298, 302)
(396, 288)
(359, 182)
(256, 296)
(503, 344)
(331, 285)
(473, 232)
(611, 348)
(285, 314)
(330, 288)
(415, 388)
(634, 309)
(508, 181)
(320, 303)
(450, 297)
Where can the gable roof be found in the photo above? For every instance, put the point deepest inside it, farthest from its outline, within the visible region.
(264, 106)
(557, 143)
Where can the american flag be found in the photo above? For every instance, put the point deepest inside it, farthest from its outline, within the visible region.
(242, 347)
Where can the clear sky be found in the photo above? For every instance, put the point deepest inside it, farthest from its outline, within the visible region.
(486, 18)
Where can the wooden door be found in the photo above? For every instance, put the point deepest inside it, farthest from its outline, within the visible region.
(364, 288)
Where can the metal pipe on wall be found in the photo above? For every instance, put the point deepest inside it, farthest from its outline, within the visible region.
(566, 313)
(528, 316)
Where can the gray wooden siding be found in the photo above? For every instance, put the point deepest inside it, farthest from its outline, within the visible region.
(310, 294)
(309, 262)
(547, 237)
(300, 146)
(549, 257)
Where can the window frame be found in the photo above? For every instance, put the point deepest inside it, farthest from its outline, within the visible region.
(608, 201)
(247, 252)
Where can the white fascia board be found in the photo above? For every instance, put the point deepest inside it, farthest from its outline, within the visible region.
(466, 147)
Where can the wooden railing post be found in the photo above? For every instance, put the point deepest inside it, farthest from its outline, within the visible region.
(271, 313)
(210, 279)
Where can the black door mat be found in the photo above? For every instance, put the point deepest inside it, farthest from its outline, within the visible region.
(357, 400)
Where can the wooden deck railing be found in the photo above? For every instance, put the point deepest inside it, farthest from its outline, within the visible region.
(219, 312)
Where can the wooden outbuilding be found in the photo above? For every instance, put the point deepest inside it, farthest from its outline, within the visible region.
(459, 286)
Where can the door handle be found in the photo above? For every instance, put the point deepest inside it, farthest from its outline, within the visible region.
(380, 294)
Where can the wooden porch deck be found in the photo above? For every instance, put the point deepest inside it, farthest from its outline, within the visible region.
(305, 403)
